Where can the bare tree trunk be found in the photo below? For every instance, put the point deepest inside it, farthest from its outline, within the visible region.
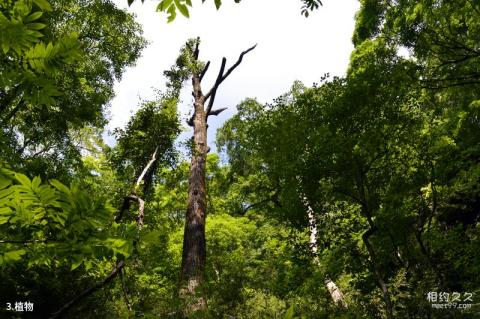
(194, 242)
(335, 293)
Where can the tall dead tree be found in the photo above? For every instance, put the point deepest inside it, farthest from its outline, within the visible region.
(194, 243)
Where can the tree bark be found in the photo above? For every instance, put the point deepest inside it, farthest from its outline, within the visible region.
(194, 242)
(144, 175)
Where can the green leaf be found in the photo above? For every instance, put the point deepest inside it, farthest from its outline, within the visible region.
(34, 16)
(5, 47)
(172, 13)
(43, 4)
(61, 187)
(218, 3)
(24, 180)
(88, 264)
(4, 182)
(77, 261)
(152, 237)
(36, 26)
(36, 182)
(289, 314)
(5, 210)
(5, 193)
(182, 8)
(163, 5)
(34, 33)
(14, 255)
(4, 219)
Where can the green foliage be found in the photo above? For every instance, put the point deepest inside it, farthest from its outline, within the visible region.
(184, 66)
(172, 6)
(19, 27)
(154, 127)
(440, 35)
(368, 20)
(59, 64)
(30, 63)
(46, 217)
(375, 149)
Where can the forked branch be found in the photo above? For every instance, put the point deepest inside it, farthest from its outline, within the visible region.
(233, 67)
(222, 75)
(211, 94)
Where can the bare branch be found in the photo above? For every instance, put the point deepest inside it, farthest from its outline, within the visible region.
(145, 170)
(196, 51)
(240, 58)
(125, 207)
(213, 91)
(222, 76)
(217, 111)
(204, 71)
(132, 197)
(190, 121)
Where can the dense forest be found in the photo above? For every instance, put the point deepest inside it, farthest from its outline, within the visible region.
(354, 197)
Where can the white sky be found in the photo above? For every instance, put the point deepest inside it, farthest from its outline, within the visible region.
(290, 47)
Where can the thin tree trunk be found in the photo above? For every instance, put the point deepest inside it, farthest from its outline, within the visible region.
(335, 293)
(377, 273)
(125, 292)
(371, 252)
(148, 167)
(144, 175)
